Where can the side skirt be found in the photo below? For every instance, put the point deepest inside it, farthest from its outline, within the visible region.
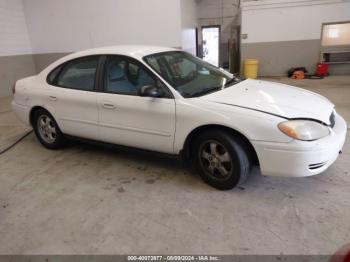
(126, 149)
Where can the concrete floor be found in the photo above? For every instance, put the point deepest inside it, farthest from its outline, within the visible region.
(91, 200)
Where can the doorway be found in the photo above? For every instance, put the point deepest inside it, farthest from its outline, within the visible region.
(210, 44)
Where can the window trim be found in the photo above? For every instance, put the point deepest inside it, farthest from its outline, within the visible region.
(169, 94)
(67, 63)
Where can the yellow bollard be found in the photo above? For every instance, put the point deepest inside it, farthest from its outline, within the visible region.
(251, 68)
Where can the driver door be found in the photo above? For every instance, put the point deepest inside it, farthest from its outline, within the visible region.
(125, 118)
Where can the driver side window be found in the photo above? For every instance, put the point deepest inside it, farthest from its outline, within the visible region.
(126, 77)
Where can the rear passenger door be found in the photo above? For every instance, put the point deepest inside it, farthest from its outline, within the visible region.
(128, 119)
(72, 97)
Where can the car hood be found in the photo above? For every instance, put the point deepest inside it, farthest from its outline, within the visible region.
(274, 98)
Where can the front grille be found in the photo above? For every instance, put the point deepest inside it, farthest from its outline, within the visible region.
(316, 166)
(332, 120)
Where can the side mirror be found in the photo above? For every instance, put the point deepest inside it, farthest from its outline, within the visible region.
(150, 91)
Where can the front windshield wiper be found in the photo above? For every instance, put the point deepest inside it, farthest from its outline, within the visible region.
(234, 80)
(230, 82)
(206, 91)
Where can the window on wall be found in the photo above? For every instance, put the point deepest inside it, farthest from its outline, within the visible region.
(336, 34)
(78, 74)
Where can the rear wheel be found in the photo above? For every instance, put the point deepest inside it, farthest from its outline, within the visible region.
(221, 159)
(47, 130)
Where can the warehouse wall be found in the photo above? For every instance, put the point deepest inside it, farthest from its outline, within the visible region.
(284, 34)
(15, 49)
(57, 27)
(220, 12)
(188, 25)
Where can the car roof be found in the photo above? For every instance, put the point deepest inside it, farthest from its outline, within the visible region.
(135, 51)
(138, 51)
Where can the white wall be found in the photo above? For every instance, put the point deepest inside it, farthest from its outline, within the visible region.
(283, 33)
(285, 20)
(188, 25)
(16, 60)
(66, 26)
(14, 37)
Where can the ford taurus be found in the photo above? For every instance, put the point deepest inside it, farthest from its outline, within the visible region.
(165, 100)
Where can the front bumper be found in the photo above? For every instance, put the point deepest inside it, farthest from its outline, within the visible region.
(300, 158)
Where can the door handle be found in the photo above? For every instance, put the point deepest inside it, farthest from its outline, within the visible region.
(53, 98)
(108, 106)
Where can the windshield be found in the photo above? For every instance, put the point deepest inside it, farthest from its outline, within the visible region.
(189, 75)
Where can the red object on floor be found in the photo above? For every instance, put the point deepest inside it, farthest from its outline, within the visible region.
(342, 255)
(322, 69)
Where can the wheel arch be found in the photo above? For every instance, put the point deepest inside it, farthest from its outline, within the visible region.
(188, 144)
(32, 113)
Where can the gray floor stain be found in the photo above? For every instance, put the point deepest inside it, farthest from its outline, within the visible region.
(150, 181)
(121, 190)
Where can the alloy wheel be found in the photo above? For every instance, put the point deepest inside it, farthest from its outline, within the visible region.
(215, 160)
(47, 129)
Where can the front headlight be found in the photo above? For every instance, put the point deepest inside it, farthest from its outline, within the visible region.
(304, 130)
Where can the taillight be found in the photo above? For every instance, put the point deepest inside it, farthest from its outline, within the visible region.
(14, 88)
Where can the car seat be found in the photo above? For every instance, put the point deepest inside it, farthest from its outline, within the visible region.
(118, 81)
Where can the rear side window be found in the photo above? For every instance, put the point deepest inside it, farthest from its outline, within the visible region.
(77, 74)
(52, 76)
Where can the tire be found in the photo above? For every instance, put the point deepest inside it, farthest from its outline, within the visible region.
(47, 130)
(221, 159)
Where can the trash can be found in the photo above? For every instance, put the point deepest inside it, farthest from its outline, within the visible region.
(251, 68)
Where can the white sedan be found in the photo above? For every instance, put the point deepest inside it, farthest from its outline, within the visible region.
(166, 100)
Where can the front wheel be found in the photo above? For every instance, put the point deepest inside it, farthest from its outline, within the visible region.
(221, 159)
(47, 130)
